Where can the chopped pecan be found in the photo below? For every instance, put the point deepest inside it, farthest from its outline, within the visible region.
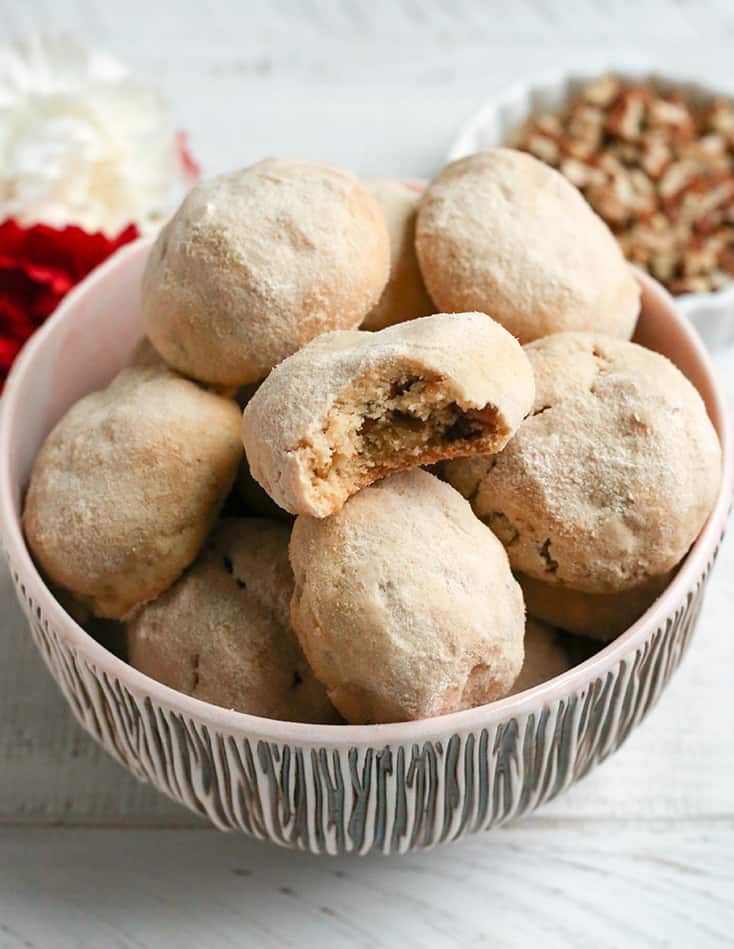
(602, 91)
(580, 173)
(675, 179)
(549, 124)
(626, 116)
(726, 260)
(718, 116)
(543, 148)
(655, 155)
(658, 166)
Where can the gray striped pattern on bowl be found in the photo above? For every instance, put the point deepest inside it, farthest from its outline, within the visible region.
(388, 798)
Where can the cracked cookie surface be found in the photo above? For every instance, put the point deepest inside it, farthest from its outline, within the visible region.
(353, 407)
(611, 477)
(257, 262)
(222, 633)
(127, 485)
(501, 232)
(404, 603)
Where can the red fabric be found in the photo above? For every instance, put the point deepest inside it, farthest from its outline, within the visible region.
(38, 266)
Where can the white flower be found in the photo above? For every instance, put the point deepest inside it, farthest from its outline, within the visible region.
(81, 142)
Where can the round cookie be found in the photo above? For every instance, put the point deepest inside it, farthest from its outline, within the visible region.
(405, 297)
(222, 632)
(255, 499)
(611, 478)
(146, 356)
(545, 656)
(352, 407)
(503, 233)
(256, 263)
(127, 485)
(404, 603)
(600, 616)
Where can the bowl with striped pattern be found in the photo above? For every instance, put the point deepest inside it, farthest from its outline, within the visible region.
(336, 789)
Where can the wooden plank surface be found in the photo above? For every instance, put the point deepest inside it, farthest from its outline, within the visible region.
(605, 887)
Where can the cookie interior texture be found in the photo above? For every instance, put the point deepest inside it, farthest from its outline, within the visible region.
(401, 419)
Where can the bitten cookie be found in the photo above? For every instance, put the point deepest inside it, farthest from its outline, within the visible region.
(222, 633)
(502, 233)
(256, 499)
(405, 297)
(600, 616)
(352, 407)
(545, 656)
(404, 603)
(610, 479)
(256, 263)
(127, 485)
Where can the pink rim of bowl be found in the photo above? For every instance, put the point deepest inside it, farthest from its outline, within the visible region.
(355, 735)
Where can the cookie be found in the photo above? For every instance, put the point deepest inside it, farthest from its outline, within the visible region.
(502, 233)
(127, 485)
(256, 499)
(352, 407)
(600, 616)
(405, 297)
(404, 603)
(256, 263)
(146, 356)
(609, 481)
(222, 632)
(545, 656)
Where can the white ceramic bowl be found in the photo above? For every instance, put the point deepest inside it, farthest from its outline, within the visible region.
(711, 313)
(329, 788)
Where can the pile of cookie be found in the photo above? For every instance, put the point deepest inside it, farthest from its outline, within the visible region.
(440, 386)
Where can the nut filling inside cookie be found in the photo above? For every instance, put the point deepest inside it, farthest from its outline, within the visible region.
(378, 427)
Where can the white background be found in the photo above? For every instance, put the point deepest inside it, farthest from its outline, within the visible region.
(639, 854)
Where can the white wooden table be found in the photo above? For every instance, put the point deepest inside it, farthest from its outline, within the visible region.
(641, 853)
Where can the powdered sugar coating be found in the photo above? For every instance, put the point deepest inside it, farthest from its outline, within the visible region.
(611, 478)
(405, 297)
(222, 632)
(127, 485)
(256, 263)
(503, 233)
(404, 603)
(477, 361)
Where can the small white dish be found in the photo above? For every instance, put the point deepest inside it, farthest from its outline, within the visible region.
(711, 313)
